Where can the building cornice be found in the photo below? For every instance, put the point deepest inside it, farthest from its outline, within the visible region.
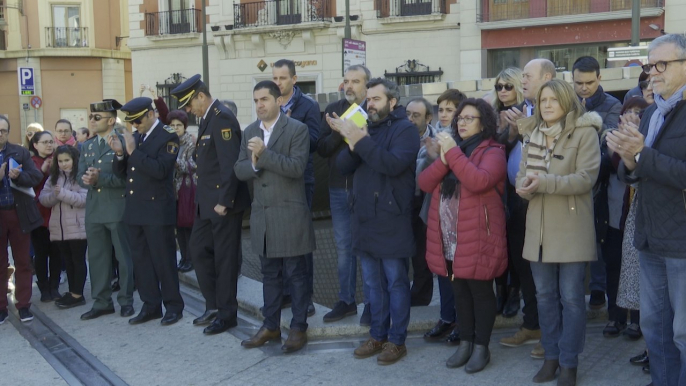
(568, 19)
(65, 52)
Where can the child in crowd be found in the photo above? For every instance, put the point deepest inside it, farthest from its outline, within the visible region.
(67, 199)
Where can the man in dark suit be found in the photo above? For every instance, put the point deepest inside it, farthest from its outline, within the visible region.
(222, 199)
(274, 152)
(146, 161)
(104, 210)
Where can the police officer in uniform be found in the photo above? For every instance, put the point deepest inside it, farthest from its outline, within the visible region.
(221, 199)
(146, 160)
(104, 212)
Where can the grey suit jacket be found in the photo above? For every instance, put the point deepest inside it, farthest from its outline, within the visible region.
(280, 222)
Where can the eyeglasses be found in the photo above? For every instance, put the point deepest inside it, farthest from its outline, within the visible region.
(660, 66)
(97, 117)
(507, 87)
(51, 142)
(467, 120)
(4, 132)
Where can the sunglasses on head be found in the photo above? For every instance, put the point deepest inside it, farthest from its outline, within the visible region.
(96, 117)
(507, 87)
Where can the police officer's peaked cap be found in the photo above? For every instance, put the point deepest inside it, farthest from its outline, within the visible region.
(136, 108)
(187, 90)
(107, 105)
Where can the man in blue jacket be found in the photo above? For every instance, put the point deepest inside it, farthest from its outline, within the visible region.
(382, 157)
(304, 109)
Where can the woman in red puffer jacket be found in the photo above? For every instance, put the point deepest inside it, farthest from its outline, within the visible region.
(466, 228)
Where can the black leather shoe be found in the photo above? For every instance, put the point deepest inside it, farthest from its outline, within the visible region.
(454, 338)
(440, 330)
(93, 313)
(205, 318)
(640, 359)
(310, 309)
(646, 368)
(145, 316)
(479, 359)
(461, 356)
(219, 326)
(171, 318)
(126, 311)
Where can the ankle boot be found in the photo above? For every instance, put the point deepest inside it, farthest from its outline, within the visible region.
(500, 298)
(45, 295)
(479, 359)
(461, 356)
(567, 376)
(547, 371)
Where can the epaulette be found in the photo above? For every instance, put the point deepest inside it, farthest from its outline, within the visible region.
(169, 129)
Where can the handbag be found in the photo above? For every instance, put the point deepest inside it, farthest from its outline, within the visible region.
(185, 205)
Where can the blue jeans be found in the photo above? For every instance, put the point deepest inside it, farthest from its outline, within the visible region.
(445, 289)
(663, 317)
(561, 310)
(347, 262)
(598, 272)
(389, 297)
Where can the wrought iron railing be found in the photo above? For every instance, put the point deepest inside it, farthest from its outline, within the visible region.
(387, 8)
(181, 21)
(494, 10)
(279, 12)
(66, 37)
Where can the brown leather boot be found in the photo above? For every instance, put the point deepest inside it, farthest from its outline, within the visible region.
(368, 348)
(296, 340)
(263, 336)
(567, 376)
(547, 371)
(391, 353)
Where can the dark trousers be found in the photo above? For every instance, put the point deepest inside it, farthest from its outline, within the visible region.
(47, 261)
(11, 234)
(216, 251)
(516, 229)
(73, 254)
(183, 237)
(309, 257)
(612, 254)
(153, 252)
(475, 301)
(423, 280)
(273, 272)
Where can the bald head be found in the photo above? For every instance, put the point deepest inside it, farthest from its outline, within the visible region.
(534, 75)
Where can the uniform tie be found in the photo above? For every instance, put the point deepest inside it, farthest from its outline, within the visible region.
(101, 145)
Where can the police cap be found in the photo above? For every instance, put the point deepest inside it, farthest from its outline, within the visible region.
(136, 108)
(187, 90)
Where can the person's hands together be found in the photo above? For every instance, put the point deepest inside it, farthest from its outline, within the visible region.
(530, 185)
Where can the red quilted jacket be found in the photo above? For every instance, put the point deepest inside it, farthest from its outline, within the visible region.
(481, 252)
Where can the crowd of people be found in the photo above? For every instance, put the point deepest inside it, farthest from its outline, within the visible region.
(506, 198)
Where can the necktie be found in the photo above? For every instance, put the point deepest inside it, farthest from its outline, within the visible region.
(142, 139)
(101, 145)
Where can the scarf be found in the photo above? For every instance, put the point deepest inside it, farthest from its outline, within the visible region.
(539, 155)
(450, 181)
(658, 117)
(71, 142)
(595, 100)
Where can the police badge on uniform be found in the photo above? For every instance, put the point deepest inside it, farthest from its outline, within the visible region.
(226, 134)
(172, 148)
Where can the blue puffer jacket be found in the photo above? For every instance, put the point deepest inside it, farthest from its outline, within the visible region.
(661, 177)
(306, 110)
(383, 187)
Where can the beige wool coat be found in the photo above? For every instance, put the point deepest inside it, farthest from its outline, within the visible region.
(560, 213)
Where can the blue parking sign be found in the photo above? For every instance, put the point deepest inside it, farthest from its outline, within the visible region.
(26, 81)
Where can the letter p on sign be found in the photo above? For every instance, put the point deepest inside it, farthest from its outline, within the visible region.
(26, 81)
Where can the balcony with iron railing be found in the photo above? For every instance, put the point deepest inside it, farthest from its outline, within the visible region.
(500, 10)
(66, 37)
(396, 8)
(183, 21)
(280, 12)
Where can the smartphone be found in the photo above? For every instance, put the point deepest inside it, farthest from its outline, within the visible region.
(13, 164)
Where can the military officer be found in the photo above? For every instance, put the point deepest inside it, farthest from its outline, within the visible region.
(104, 212)
(221, 199)
(146, 160)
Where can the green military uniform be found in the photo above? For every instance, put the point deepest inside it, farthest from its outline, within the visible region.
(104, 227)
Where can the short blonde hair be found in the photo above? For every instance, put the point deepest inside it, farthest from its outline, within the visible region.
(566, 97)
(512, 75)
(34, 127)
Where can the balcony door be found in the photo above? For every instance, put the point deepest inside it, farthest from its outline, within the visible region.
(288, 11)
(66, 22)
(415, 7)
(179, 18)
